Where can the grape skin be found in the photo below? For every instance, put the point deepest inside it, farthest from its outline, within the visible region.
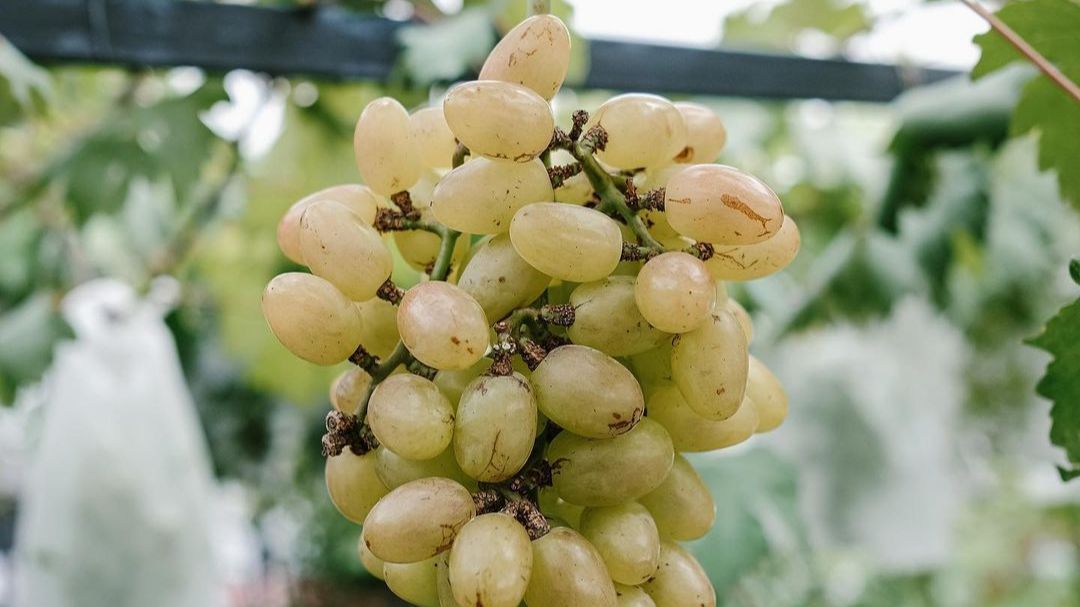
(535, 54)
(722, 205)
(311, 318)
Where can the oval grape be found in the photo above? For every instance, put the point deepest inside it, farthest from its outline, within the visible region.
(442, 326)
(705, 133)
(360, 199)
(693, 433)
(606, 317)
(499, 119)
(567, 242)
(674, 292)
(722, 205)
(344, 250)
(482, 195)
(496, 425)
(418, 520)
(643, 131)
(682, 506)
(709, 366)
(568, 572)
(311, 318)
(411, 417)
(626, 538)
(490, 562)
(353, 485)
(385, 151)
(587, 392)
(535, 54)
(750, 261)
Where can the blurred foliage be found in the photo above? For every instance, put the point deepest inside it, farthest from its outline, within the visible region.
(779, 26)
(1051, 27)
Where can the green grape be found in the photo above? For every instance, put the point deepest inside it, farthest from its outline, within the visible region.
(442, 326)
(632, 596)
(490, 562)
(554, 506)
(626, 538)
(607, 318)
(653, 367)
(535, 54)
(453, 382)
(568, 572)
(691, 432)
(500, 280)
(682, 506)
(378, 326)
(674, 292)
(386, 154)
(722, 205)
(587, 392)
(417, 520)
(499, 119)
(643, 131)
(414, 582)
(372, 563)
(567, 242)
(709, 365)
(680, 581)
(482, 195)
(705, 133)
(741, 315)
(442, 581)
(361, 200)
(435, 143)
(349, 389)
(750, 261)
(311, 318)
(411, 417)
(767, 395)
(394, 470)
(353, 485)
(338, 246)
(496, 425)
(607, 472)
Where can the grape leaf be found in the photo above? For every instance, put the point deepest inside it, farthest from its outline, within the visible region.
(1051, 27)
(1061, 383)
(23, 85)
(447, 49)
(780, 27)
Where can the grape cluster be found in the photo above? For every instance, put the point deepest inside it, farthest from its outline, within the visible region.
(513, 426)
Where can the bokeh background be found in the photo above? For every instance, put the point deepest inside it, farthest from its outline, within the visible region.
(915, 469)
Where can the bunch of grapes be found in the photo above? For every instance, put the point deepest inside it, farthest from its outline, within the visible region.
(512, 427)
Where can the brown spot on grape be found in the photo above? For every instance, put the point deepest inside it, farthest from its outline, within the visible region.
(454, 339)
(737, 204)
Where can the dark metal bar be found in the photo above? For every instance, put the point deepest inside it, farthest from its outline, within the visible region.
(333, 43)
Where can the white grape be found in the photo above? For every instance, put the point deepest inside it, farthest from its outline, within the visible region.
(442, 326)
(535, 54)
(311, 318)
(385, 151)
(344, 250)
(566, 241)
(482, 195)
(722, 205)
(411, 417)
(499, 119)
(674, 292)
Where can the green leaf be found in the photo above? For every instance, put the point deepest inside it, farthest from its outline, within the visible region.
(1061, 383)
(447, 49)
(28, 331)
(1051, 27)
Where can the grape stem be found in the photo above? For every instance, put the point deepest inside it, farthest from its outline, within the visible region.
(611, 199)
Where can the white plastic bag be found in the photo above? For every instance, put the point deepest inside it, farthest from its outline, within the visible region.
(116, 505)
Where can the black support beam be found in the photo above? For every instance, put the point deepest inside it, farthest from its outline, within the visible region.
(332, 43)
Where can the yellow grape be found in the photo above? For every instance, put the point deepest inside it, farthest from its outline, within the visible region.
(682, 506)
(435, 143)
(386, 154)
(606, 472)
(348, 389)
(414, 582)
(632, 596)
(680, 581)
(626, 538)
(691, 432)
(372, 563)
(567, 242)
(378, 332)
(741, 315)
(750, 261)
(442, 326)
(709, 366)
(767, 394)
(490, 562)
(311, 318)
(535, 54)
(482, 195)
(411, 417)
(394, 470)
(587, 392)
(358, 198)
(674, 292)
(353, 485)
(500, 280)
(499, 119)
(417, 520)
(643, 131)
(607, 318)
(453, 382)
(568, 572)
(705, 133)
(442, 581)
(496, 425)
(554, 506)
(653, 366)
(722, 205)
(344, 250)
